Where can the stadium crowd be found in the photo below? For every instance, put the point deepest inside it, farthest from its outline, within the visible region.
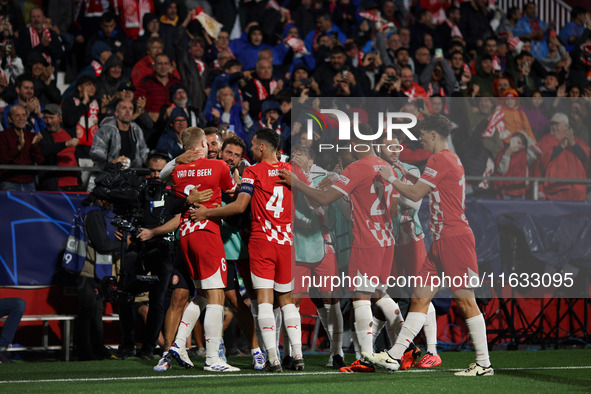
(142, 73)
(176, 73)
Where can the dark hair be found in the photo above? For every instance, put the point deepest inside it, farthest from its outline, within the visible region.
(449, 11)
(576, 11)
(107, 17)
(306, 149)
(213, 130)
(511, 12)
(234, 140)
(269, 136)
(231, 63)
(401, 49)
(22, 78)
(437, 123)
(85, 79)
(337, 51)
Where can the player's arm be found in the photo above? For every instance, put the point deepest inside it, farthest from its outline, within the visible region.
(414, 172)
(321, 197)
(168, 227)
(413, 192)
(410, 176)
(236, 207)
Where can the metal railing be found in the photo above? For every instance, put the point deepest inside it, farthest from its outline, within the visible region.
(548, 10)
(471, 178)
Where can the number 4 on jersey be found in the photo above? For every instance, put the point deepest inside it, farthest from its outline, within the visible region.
(275, 203)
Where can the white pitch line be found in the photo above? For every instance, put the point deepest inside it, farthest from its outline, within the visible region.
(263, 375)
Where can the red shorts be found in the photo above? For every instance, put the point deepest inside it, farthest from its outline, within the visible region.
(205, 257)
(453, 258)
(409, 258)
(270, 265)
(317, 274)
(368, 263)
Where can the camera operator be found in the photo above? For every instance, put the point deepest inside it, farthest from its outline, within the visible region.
(97, 215)
(153, 252)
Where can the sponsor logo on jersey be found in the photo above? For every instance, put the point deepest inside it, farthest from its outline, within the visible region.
(273, 172)
(344, 179)
(431, 172)
(248, 180)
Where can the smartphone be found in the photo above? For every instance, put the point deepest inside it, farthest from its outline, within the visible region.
(438, 52)
(306, 81)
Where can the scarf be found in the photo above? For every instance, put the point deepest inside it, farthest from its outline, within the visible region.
(87, 125)
(172, 22)
(262, 91)
(98, 68)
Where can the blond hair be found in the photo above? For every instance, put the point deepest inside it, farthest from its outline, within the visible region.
(191, 137)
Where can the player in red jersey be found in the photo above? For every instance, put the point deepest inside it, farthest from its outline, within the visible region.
(374, 203)
(453, 251)
(201, 243)
(270, 243)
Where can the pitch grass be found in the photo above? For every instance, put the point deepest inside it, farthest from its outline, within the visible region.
(520, 371)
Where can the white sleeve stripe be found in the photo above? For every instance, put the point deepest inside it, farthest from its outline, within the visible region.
(341, 190)
(427, 182)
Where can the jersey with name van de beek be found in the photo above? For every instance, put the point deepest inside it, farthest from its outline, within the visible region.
(445, 174)
(210, 174)
(370, 199)
(270, 204)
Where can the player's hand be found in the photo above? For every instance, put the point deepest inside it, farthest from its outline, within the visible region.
(284, 177)
(198, 214)
(187, 157)
(196, 196)
(325, 184)
(146, 234)
(386, 172)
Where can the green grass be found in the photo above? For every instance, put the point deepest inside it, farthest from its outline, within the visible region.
(521, 371)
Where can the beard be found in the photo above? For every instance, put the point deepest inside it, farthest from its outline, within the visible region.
(182, 103)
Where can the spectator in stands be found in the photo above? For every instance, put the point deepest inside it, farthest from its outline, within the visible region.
(515, 161)
(219, 45)
(40, 39)
(12, 14)
(25, 90)
(81, 119)
(119, 140)
(151, 25)
(155, 88)
(169, 22)
(448, 29)
(45, 88)
(260, 87)
(421, 60)
(19, 146)
(336, 75)
(115, 39)
(411, 89)
(324, 25)
(484, 77)
(514, 118)
(109, 81)
(537, 114)
(438, 78)
(180, 99)
(59, 149)
(551, 84)
(190, 62)
(100, 53)
(145, 67)
(580, 120)
(271, 117)
(532, 28)
(13, 309)
(389, 84)
(563, 156)
(228, 110)
(131, 15)
(556, 53)
(170, 140)
(387, 45)
(573, 30)
(474, 23)
(423, 26)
